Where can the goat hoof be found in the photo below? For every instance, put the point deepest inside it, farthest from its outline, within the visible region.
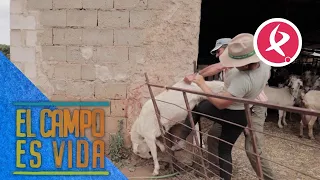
(174, 148)
(155, 173)
(285, 124)
(280, 126)
(300, 136)
(312, 138)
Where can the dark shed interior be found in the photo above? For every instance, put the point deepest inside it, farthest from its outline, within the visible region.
(221, 19)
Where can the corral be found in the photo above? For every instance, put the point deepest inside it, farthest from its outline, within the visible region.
(289, 155)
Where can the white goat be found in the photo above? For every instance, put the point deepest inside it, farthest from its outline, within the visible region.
(284, 96)
(311, 101)
(145, 129)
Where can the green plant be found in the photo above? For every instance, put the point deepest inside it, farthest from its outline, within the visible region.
(5, 49)
(117, 144)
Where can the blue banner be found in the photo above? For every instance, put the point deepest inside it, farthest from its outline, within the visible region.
(29, 149)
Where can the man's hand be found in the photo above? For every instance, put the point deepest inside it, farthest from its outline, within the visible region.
(189, 78)
(199, 80)
(246, 131)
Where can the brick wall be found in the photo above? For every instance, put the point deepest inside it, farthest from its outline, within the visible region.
(99, 49)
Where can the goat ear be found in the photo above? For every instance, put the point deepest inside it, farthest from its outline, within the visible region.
(286, 83)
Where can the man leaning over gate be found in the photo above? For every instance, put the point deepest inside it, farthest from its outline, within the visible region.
(258, 115)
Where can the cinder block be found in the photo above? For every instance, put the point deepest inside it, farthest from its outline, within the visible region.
(30, 70)
(23, 54)
(67, 71)
(112, 125)
(45, 37)
(59, 86)
(22, 22)
(17, 38)
(19, 65)
(17, 6)
(31, 38)
(99, 90)
(97, 37)
(159, 4)
(122, 72)
(132, 37)
(118, 108)
(47, 69)
(82, 18)
(67, 4)
(53, 18)
(104, 73)
(39, 4)
(112, 55)
(54, 53)
(137, 54)
(97, 4)
(88, 72)
(116, 91)
(111, 91)
(105, 108)
(67, 36)
(65, 98)
(141, 19)
(113, 19)
(80, 55)
(130, 4)
(80, 89)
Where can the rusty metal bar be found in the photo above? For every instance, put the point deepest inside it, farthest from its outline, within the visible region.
(194, 134)
(205, 115)
(197, 162)
(203, 157)
(308, 145)
(191, 168)
(248, 151)
(245, 101)
(159, 121)
(254, 142)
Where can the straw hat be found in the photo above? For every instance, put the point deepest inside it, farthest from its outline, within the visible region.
(239, 52)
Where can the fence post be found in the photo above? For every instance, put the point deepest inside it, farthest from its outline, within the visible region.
(254, 142)
(195, 135)
(159, 122)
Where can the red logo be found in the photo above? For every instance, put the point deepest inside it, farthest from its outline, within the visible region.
(277, 42)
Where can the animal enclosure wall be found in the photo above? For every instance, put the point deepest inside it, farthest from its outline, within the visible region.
(96, 50)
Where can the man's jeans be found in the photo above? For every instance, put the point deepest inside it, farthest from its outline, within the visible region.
(258, 119)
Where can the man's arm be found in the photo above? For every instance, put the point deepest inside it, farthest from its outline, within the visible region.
(211, 70)
(238, 88)
(217, 102)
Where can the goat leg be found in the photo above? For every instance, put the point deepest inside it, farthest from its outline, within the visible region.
(280, 118)
(160, 145)
(284, 118)
(153, 148)
(310, 126)
(301, 129)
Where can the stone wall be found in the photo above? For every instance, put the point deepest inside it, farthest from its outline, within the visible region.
(100, 49)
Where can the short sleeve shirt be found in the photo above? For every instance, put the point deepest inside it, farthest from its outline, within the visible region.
(246, 84)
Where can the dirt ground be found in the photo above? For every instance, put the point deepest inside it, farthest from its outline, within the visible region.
(295, 156)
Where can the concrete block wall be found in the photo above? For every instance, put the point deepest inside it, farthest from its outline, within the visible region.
(100, 49)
